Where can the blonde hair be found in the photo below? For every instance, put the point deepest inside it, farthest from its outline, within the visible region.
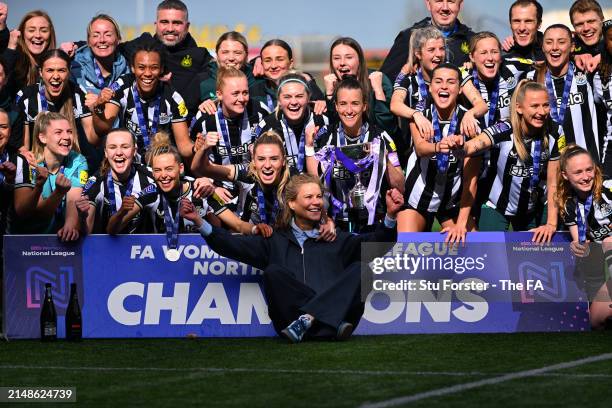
(516, 120)
(565, 191)
(226, 73)
(290, 193)
(43, 121)
(104, 17)
(418, 38)
(483, 35)
(161, 144)
(270, 137)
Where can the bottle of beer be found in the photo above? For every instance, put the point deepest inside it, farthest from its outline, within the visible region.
(74, 328)
(48, 318)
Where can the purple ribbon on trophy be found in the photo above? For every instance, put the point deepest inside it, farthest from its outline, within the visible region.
(328, 155)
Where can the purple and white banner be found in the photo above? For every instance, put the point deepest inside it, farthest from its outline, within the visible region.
(127, 288)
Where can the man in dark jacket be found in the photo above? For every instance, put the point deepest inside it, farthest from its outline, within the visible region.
(185, 59)
(444, 17)
(526, 41)
(311, 286)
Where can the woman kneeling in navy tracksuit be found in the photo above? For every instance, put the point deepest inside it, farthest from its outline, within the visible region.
(312, 287)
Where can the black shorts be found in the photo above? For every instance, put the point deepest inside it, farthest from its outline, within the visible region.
(441, 215)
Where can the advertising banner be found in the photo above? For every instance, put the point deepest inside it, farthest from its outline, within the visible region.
(128, 289)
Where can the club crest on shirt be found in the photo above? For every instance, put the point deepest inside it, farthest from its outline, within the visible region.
(581, 79)
(465, 48)
(187, 61)
(511, 82)
(605, 209)
(164, 118)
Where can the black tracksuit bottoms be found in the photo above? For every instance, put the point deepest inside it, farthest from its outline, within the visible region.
(288, 298)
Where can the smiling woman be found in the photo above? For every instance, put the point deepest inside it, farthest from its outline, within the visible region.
(55, 93)
(37, 36)
(56, 180)
(144, 104)
(97, 64)
(231, 123)
(292, 117)
(312, 286)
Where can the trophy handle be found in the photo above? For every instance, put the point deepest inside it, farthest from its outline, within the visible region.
(366, 147)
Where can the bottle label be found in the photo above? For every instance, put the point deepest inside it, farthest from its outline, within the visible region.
(50, 329)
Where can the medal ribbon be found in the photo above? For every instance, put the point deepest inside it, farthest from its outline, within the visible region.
(493, 96)
(142, 123)
(172, 225)
(3, 158)
(261, 206)
(582, 224)
(559, 114)
(442, 159)
(111, 190)
(301, 143)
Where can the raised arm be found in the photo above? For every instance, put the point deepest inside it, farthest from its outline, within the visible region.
(252, 250)
(202, 166)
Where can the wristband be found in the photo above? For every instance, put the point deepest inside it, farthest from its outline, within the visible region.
(309, 151)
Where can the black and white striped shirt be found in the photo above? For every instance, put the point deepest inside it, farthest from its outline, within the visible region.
(507, 85)
(518, 66)
(580, 124)
(599, 221)
(172, 109)
(602, 88)
(410, 84)
(240, 131)
(428, 190)
(98, 194)
(511, 192)
(150, 202)
(291, 134)
(29, 104)
(23, 178)
(342, 179)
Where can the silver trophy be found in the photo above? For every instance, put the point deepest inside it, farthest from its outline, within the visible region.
(357, 194)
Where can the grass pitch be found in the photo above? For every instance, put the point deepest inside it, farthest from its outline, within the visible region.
(270, 373)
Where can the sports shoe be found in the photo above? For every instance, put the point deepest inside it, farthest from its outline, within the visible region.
(345, 330)
(296, 330)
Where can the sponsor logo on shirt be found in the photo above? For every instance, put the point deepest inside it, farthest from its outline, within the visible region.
(465, 48)
(561, 143)
(235, 150)
(574, 99)
(83, 177)
(182, 109)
